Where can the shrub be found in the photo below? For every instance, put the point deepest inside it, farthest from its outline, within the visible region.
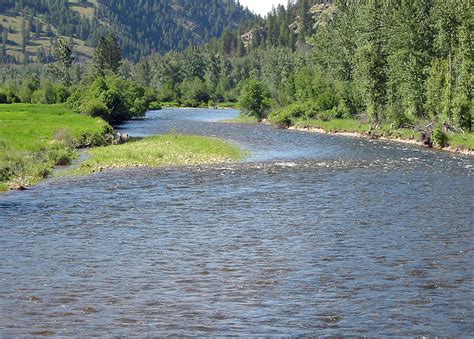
(190, 103)
(61, 93)
(12, 97)
(440, 138)
(154, 106)
(328, 114)
(95, 108)
(111, 98)
(3, 97)
(61, 155)
(254, 98)
(282, 118)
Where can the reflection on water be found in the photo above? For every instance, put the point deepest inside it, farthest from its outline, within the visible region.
(312, 235)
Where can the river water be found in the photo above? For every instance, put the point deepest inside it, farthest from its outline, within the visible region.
(310, 235)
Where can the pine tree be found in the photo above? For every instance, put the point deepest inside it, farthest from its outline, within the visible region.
(63, 54)
(107, 55)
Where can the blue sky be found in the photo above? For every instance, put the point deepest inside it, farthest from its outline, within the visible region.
(262, 6)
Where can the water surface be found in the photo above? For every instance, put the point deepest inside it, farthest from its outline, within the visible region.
(310, 235)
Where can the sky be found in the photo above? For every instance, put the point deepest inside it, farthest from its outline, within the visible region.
(262, 6)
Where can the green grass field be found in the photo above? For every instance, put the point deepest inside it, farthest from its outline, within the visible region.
(35, 138)
(32, 127)
(159, 151)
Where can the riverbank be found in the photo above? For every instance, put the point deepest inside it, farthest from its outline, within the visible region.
(243, 119)
(36, 138)
(457, 143)
(211, 105)
(159, 151)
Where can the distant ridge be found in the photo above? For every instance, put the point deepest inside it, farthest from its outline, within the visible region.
(29, 27)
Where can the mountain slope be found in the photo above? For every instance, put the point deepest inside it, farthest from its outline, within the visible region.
(28, 27)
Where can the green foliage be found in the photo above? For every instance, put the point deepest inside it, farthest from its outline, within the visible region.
(107, 55)
(61, 155)
(393, 65)
(95, 108)
(40, 93)
(112, 99)
(154, 106)
(195, 91)
(282, 118)
(440, 138)
(254, 99)
(63, 53)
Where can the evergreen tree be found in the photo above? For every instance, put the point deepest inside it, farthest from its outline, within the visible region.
(107, 55)
(64, 56)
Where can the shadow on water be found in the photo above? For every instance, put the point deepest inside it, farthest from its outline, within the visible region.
(311, 235)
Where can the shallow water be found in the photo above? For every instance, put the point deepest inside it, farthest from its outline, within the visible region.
(311, 235)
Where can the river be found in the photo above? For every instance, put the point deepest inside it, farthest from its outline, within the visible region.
(310, 235)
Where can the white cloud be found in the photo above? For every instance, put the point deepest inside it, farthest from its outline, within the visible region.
(262, 7)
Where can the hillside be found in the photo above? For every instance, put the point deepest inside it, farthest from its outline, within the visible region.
(28, 27)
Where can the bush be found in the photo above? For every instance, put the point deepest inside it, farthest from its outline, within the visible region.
(190, 103)
(111, 98)
(328, 114)
(95, 108)
(440, 138)
(281, 118)
(61, 93)
(254, 99)
(3, 98)
(61, 155)
(154, 106)
(195, 91)
(10, 93)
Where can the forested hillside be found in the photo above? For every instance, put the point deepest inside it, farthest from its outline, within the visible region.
(404, 64)
(29, 27)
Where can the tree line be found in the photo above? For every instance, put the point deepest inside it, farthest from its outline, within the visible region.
(397, 62)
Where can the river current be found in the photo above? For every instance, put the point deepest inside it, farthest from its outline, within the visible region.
(310, 235)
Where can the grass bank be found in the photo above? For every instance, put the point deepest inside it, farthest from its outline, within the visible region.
(460, 143)
(243, 119)
(159, 151)
(35, 138)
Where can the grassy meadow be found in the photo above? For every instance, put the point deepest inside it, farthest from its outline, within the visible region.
(35, 138)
